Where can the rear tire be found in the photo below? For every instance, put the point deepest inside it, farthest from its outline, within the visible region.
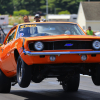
(72, 84)
(5, 83)
(23, 73)
(96, 75)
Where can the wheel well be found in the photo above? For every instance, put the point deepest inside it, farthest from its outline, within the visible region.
(16, 54)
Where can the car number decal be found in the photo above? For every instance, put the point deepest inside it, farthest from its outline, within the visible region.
(24, 26)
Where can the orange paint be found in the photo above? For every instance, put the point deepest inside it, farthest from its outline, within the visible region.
(8, 64)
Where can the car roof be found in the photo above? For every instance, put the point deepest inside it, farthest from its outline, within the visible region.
(45, 22)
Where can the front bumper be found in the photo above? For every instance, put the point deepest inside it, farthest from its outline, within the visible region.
(59, 53)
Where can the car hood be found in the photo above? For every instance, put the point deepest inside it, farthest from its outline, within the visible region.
(62, 37)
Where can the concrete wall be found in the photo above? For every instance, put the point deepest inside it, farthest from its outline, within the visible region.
(81, 17)
(53, 17)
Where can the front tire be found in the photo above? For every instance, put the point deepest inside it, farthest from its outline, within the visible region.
(5, 83)
(23, 73)
(96, 75)
(72, 84)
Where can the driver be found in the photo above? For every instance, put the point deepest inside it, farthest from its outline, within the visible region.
(67, 31)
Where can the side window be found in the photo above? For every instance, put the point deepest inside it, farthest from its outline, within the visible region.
(11, 36)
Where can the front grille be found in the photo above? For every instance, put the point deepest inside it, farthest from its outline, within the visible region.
(60, 45)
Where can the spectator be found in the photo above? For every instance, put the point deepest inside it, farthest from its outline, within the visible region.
(43, 20)
(37, 18)
(26, 18)
(89, 31)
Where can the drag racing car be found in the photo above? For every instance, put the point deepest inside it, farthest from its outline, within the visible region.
(35, 51)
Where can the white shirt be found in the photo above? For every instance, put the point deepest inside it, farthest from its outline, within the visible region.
(40, 21)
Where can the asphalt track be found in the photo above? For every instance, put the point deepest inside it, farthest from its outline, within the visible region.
(50, 89)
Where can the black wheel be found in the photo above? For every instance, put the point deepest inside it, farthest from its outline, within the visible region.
(5, 83)
(36, 80)
(72, 84)
(96, 75)
(23, 73)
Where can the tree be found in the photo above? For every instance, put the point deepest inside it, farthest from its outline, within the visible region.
(23, 12)
(30, 5)
(16, 13)
(54, 6)
(64, 12)
(61, 5)
(70, 5)
(6, 7)
(51, 5)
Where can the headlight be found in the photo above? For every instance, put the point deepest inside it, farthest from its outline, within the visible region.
(96, 44)
(38, 46)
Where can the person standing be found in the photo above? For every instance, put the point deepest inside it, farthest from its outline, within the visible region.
(26, 19)
(43, 20)
(37, 18)
(89, 31)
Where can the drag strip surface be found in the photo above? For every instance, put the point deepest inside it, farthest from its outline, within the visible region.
(50, 89)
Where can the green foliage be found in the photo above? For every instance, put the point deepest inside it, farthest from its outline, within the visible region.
(16, 13)
(54, 6)
(61, 5)
(64, 12)
(23, 12)
(6, 7)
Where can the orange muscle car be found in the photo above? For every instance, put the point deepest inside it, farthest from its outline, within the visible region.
(35, 51)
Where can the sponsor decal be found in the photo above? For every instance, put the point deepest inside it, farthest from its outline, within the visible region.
(21, 34)
(20, 50)
(24, 26)
(16, 44)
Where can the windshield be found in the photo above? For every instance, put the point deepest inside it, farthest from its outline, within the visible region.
(45, 29)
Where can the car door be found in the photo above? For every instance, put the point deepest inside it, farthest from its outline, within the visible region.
(6, 61)
(12, 48)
